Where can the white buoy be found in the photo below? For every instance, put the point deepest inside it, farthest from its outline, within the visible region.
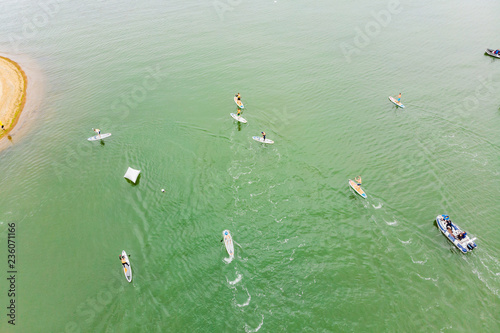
(163, 190)
(132, 174)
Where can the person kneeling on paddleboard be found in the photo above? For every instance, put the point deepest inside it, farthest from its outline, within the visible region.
(263, 135)
(124, 262)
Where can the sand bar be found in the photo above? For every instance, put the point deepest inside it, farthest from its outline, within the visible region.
(13, 85)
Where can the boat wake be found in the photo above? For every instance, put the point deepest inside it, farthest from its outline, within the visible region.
(238, 279)
(418, 262)
(494, 261)
(247, 301)
(250, 330)
(236, 174)
(487, 271)
(391, 222)
(427, 278)
(228, 260)
(378, 206)
(482, 278)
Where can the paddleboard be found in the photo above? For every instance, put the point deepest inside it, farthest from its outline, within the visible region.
(127, 270)
(395, 101)
(261, 139)
(228, 241)
(357, 188)
(239, 103)
(99, 137)
(239, 118)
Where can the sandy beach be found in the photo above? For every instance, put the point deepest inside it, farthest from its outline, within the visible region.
(13, 85)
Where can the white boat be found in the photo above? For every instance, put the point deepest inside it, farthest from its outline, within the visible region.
(492, 53)
(228, 241)
(457, 236)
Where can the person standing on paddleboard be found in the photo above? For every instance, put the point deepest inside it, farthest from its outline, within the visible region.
(238, 113)
(399, 98)
(238, 96)
(263, 135)
(124, 262)
(98, 131)
(358, 180)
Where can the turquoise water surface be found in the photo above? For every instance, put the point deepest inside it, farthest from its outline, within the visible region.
(311, 256)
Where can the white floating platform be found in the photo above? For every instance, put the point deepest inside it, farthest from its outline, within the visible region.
(132, 174)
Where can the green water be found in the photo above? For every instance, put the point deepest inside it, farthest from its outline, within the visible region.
(310, 255)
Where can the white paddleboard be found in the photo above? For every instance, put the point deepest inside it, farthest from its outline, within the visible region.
(261, 139)
(239, 118)
(99, 137)
(127, 270)
(395, 101)
(228, 241)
